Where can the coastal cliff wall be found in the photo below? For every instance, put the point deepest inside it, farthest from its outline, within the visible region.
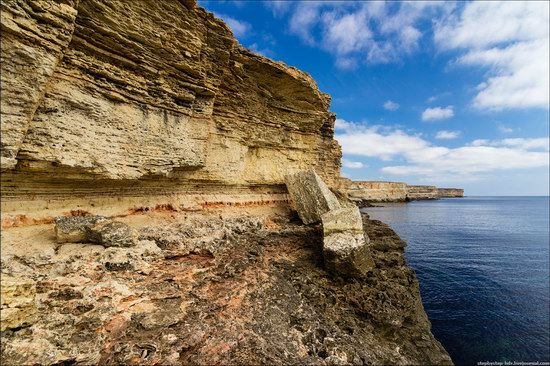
(450, 192)
(150, 112)
(373, 191)
(151, 102)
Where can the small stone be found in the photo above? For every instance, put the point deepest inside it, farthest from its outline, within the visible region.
(311, 195)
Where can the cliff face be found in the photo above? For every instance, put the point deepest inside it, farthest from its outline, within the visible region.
(371, 191)
(145, 100)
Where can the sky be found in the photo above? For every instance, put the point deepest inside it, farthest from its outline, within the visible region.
(453, 94)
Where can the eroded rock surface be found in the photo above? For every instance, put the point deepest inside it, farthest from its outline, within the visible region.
(245, 297)
(94, 229)
(18, 307)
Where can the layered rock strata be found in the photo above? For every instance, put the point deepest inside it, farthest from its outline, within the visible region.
(151, 102)
(363, 192)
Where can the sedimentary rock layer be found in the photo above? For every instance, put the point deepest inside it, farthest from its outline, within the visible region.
(126, 99)
(371, 191)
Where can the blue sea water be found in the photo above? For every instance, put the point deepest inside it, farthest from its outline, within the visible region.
(483, 268)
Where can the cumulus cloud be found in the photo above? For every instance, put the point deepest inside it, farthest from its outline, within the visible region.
(447, 135)
(352, 164)
(510, 39)
(356, 32)
(240, 28)
(391, 106)
(437, 113)
(439, 162)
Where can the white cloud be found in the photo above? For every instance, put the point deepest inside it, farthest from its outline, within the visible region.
(240, 28)
(355, 32)
(504, 129)
(430, 161)
(256, 48)
(391, 106)
(509, 38)
(352, 164)
(447, 135)
(437, 113)
(278, 7)
(432, 99)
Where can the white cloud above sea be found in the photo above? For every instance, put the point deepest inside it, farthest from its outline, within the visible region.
(437, 113)
(433, 162)
(511, 40)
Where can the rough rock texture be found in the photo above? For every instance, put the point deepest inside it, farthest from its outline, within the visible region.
(345, 249)
(248, 297)
(93, 229)
(74, 229)
(312, 197)
(151, 102)
(18, 307)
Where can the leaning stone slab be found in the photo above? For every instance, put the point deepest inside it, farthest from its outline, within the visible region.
(18, 305)
(345, 248)
(94, 229)
(311, 195)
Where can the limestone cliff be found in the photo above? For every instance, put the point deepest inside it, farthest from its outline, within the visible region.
(148, 101)
(374, 191)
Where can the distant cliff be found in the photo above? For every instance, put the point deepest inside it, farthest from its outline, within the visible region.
(374, 191)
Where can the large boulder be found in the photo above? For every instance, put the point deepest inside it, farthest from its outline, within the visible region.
(345, 245)
(94, 229)
(18, 302)
(73, 229)
(311, 195)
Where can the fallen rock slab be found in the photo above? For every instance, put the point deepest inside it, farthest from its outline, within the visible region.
(311, 196)
(345, 248)
(94, 229)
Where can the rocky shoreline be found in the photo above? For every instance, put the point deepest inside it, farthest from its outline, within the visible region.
(218, 291)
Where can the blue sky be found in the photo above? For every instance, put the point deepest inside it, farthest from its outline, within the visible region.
(454, 94)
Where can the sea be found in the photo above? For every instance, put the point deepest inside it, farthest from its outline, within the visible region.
(483, 268)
